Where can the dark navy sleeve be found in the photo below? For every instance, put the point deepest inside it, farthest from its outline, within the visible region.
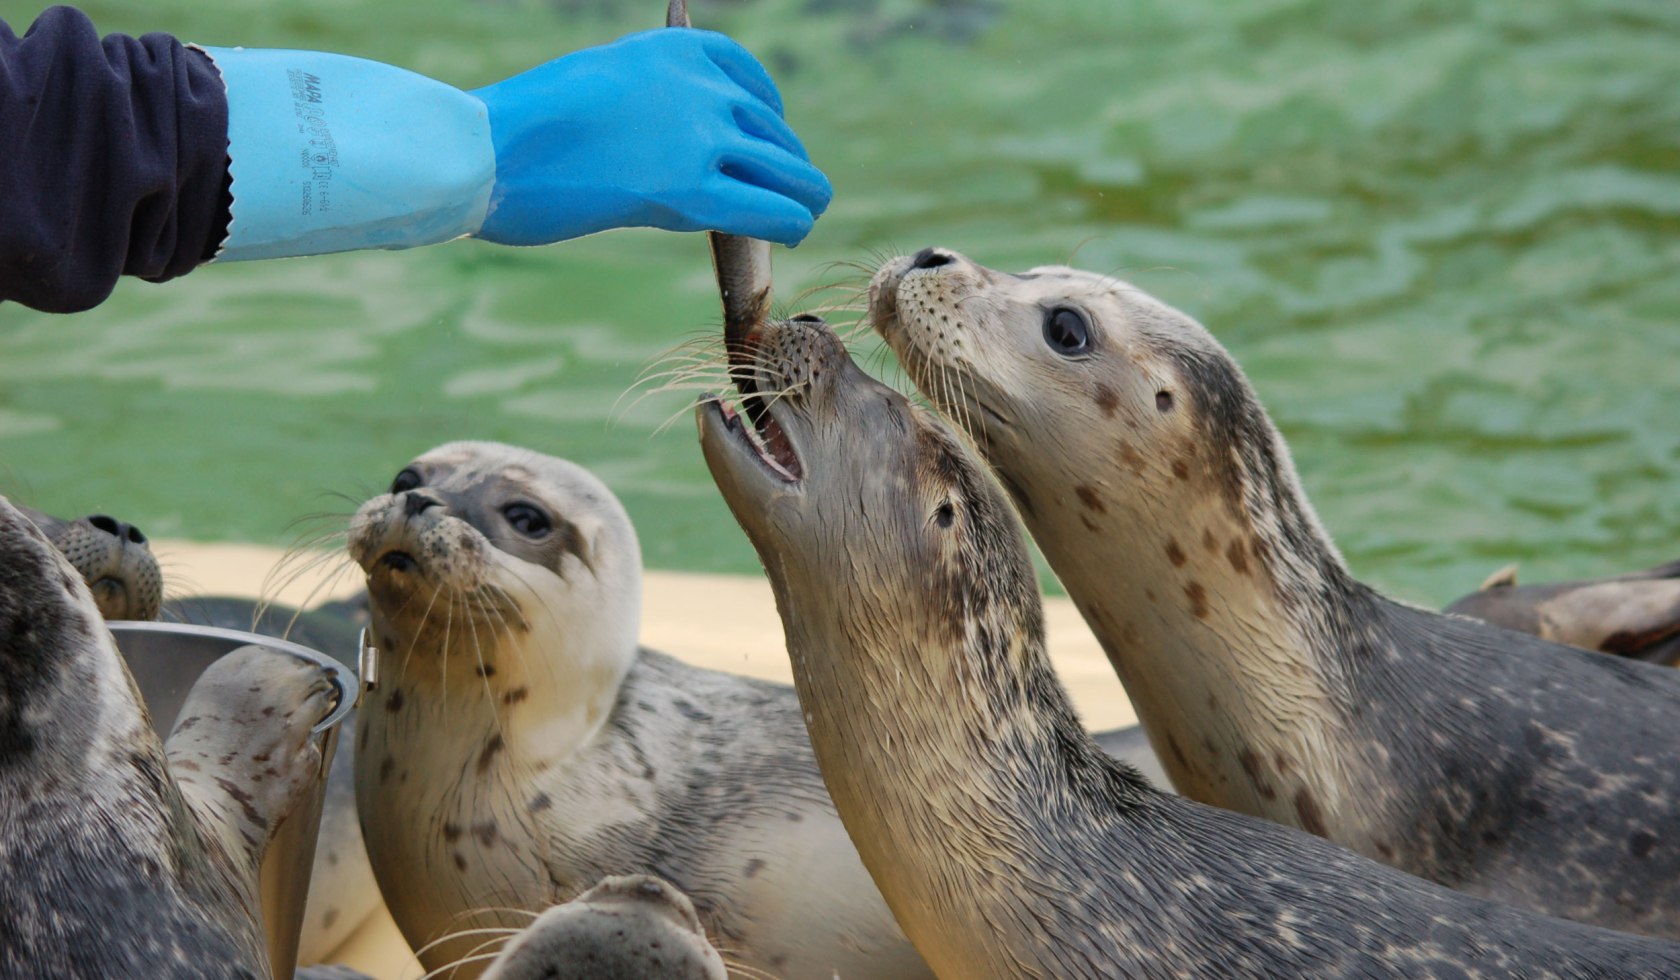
(113, 161)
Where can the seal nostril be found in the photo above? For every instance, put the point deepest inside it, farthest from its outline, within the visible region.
(809, 318)
(414, 503)
(134, 536)
(107, 524)
(930, 258)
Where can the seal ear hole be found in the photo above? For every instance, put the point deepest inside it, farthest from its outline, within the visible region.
(527, 520)
(1164, 401)
(407, 480)
(946, 515)
(1067, 331)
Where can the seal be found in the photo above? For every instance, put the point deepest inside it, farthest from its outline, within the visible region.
(114, 862)
(1269, 679)
(1006, 842)
(633, 927)
(1636, 614)
(521, 747)
(343, 893)
(113, 557)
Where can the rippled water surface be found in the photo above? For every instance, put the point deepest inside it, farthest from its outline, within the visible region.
(1443, 239)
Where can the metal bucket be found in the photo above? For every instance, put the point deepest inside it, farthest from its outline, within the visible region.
(166, 659)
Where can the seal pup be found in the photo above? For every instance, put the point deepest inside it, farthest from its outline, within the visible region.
(113, 557)
(634, 927)
(1270, 680)
(520, 747)
(114, 862)
(1635, 615)
(1006, 842)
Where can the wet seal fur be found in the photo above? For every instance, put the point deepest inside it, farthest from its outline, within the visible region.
(520, 746)
(1271, 681)
(1006, 842)
(114, 862)
(635, 927)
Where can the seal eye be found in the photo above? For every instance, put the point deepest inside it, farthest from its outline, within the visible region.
(1067, 331)
(527, 520)
(406, 480)
(945, 515)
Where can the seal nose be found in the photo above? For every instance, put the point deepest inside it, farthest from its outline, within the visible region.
(931, 258)
(415, 503)
(117, 529)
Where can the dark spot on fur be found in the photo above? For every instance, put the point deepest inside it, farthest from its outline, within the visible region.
(186, 764)
(386, 767)
(1312, 819)
(540, 802)
(491, 747)
(332, 859)
(1641, 843)
(1283, 763)
(460, 862)
(1236, 556)
(1175, 554)
(1384, 850)
(329, 918)
(1131, 457)
(394, 701)
(1149, 594)
(485, 670)
(687, 709)
(1251, 765)
(244, 800)
(1181, 469)
(1198, 599)
(1210, 542)
(795, 817)
(268, 711)
(187, 724)
(516, 695)
(485, 832)
(1107, 400)
(1090, 525)
(451, 832)
(1178, 753)
(1089, 496)
(753, 867)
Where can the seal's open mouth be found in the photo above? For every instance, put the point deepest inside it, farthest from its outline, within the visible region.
(760, 432)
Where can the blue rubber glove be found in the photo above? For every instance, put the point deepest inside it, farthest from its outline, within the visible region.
(676, 129)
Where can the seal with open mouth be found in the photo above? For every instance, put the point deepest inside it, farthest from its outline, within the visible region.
(1006, 842)
(520, 746)
(114, 863)
(1271, 681)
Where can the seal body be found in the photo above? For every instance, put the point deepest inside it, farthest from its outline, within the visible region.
(521, 747)
(1006, 843)
(1270, 680)
(1636, 614)
(109, 865)
(633, 927)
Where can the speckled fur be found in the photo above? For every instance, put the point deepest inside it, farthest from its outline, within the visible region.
(112, 557)
(107, 869)
(521, 747)
(634, 927)
(1007, 844)
(1270, 680)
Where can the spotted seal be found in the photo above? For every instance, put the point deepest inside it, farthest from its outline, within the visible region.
(1006, 842)
(114, 862)
(1270, 680)
(1635, 614)
(632, 927)
(112, 556)
(520, 746)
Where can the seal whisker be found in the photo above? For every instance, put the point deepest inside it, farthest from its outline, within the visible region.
(454, 967)
(497, 931)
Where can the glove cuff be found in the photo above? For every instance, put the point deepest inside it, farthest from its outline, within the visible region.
(330, 153)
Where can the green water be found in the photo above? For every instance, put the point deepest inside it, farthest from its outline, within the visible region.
(1442, 238)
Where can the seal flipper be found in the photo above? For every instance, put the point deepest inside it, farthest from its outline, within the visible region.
(243, 749)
